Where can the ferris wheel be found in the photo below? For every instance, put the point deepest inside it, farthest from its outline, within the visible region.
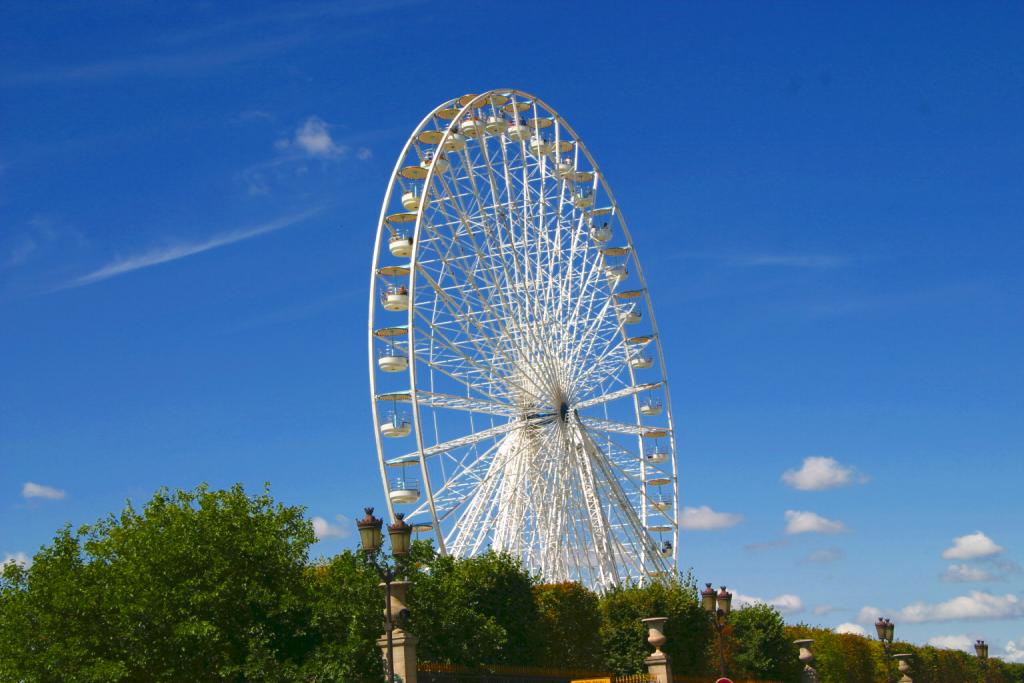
(517, 378)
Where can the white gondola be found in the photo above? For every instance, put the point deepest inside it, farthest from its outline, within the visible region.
(518, 131)
(400, 245)
(650, 409)
(565, 168)
(584, 198)
(396, 427)
(657, 457)
(539, 145)
(440, 163)
(662, 504)
(392, 361)
(395, 299)
(640, 362)
(456, 142)
(413, 199)
(496, 125)
(472, 127)
(615, 272)
(666, 549)
(630, 315)
(404, 492)
(601, 233)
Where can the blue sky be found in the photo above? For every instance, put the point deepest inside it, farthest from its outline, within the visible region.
(827, 203)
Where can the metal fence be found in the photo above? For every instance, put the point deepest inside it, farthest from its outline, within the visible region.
(451, 673)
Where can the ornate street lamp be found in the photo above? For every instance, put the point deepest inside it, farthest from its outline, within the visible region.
(718, 606)
(371, 540)
(885, 630)
(981, 649)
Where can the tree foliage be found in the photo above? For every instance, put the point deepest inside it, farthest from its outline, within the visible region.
(569, 627)
(202, 585)
(624, 639)
(217, 586)
(761, 647)
(473, 611)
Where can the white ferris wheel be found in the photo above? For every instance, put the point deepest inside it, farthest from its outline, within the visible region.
(517, 379)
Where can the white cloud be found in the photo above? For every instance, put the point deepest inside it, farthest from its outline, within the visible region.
(314, 138)
(960, 642)
(787, 603)
(819, 473)
(849, 627)
(799, 522)
(975, 605)
(971, 546)
(819, 610)
(160, 255)
(364, 154)
(963, 573)
(325, 529)
(34, 490)
(703, 518)
(868, 615)
(1014, 652)
(18, 558)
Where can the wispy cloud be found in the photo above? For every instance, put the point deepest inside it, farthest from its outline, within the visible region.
(825, 556)
(154, 257)
(773, 259)
(965, 573)
(166, 64)
(34, 490)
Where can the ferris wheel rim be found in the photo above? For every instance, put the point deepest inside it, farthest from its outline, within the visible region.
(599, 179)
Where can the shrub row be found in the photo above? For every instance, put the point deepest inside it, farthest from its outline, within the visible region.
(217, 585)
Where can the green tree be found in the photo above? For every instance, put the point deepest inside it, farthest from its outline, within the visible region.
(570, 625)
(624, 639)
(200, 586)
(347, 618)
(760, 646)
(473, 611)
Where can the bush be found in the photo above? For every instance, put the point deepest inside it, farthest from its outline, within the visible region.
(624, 639)
(761, 648)
(570, 625)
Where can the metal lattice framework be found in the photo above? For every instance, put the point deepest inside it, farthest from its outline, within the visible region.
(517, 378)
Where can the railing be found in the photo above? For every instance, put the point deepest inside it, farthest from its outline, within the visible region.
(453, 673)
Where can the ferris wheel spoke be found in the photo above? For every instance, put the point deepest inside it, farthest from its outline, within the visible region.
(461, 441)
(615, 395)
(629, 518)
(435, 400)
(603, 425)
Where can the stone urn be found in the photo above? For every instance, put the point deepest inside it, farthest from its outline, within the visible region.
(904, 667)
(809, 674)
(655, 632)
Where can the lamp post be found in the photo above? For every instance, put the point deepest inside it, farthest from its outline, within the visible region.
(371, 540)
(717, 605)
(885, 630)
(981, 649)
